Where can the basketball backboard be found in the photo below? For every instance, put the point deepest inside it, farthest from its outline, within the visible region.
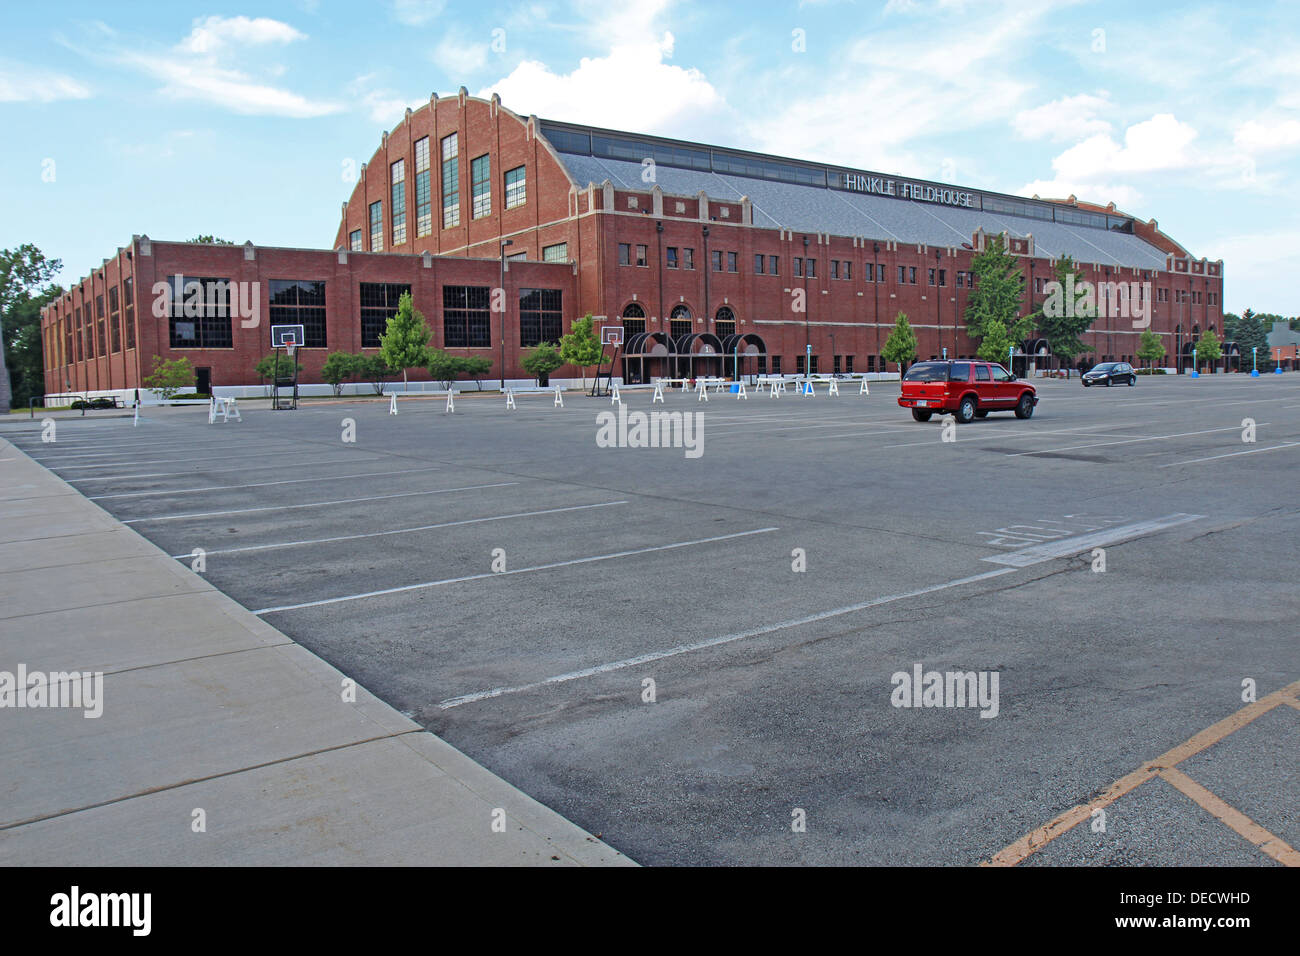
(611, 335)
(284, 335)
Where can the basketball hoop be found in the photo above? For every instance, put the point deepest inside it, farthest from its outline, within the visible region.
(290, 348)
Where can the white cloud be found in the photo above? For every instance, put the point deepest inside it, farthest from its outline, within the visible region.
(1158, 144)
(458, 57)
(631, 86)
(210, 34)
(383, 105)
(20, 83)
(1254, 136)
(1067, 118)
(417, 13)
(199, 67)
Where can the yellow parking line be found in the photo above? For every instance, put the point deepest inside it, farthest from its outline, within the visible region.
(1035, 840)
(1269, 844)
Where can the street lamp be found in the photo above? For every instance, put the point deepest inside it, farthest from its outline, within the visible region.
(504, 243)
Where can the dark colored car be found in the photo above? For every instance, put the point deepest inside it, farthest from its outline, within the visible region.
(100, 401)
(1110, 373)
(966, 389)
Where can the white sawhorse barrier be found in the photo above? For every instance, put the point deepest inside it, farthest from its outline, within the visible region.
(392, 404)
(227, 408)
(864, 390)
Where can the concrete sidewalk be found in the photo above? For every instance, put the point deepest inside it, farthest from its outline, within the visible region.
(211, 714)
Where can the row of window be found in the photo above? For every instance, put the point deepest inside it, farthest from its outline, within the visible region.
(89, 333)
(204, 321)
(515, 189)
(723, 261)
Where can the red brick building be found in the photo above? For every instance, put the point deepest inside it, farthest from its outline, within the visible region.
(710, 259)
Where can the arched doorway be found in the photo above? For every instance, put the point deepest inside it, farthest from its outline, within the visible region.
(744, 355)
(699, 353)
(646, 356)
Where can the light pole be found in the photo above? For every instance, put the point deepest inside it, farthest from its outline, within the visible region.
(504, 243)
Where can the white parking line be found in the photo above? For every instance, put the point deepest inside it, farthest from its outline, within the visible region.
(314, 504)
(212, 471)
(1127, 441)
(713, 642)
(1038, 553)
(503, 574)
(260, 484)
(1234, 454)
(380, 534)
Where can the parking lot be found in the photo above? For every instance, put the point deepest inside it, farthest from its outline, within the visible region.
(687, 655)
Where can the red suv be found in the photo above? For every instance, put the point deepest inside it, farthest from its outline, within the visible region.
(967, 389)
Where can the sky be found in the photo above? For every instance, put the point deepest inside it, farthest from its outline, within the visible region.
(176, 119)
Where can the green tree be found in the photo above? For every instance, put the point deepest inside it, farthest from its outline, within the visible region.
(212, 240)
(1150, 349)
(900, 347)
(998, 294)
(405, 342)
(581, 347)
(542, 361)
(23, 273)
(996, 344)
(1062, 318)
(169, 377)
(1207, 348)
(373, 369)
(476, 367)
(443, 367)
(275, 364)
(1249, 332)
(338, 368)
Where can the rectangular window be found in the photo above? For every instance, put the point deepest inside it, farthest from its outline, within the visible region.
(200, 313)
(1038, 284)
(848, 270)
(399, 202)
(540, 316)
(717, 260)
(798, 365)
(466, 320)
(516, 187)
(758, 265)
(835, 365)
(798, 266)
(776, 365)
(423, 189)
(625, 253)
(961, 279)
(835, 268)
(724, 328)
(880, 273)
(812, 368)
(354, 240)
(80, 332)
(378, 302)
(377, 226)
(810, 266)
(902, 275)
(450, 182)
(300, 302)
(480, 170)
(679, 327)
(641, 255)
(732, 265)
(688, 258)
(114, 320)
(772, 263)
(102, 337)
(930, 276)
(911, 275)
(870, 272)
(128, 294)
(632, 327)
(556, 253)
(848, 364)
(762, 364)
(672, 257)
(943, 278)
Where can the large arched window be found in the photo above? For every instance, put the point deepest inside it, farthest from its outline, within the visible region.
(724, 322)
(679, 322)
(633, 320)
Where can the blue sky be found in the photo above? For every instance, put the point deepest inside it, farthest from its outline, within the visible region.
(176, 118)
